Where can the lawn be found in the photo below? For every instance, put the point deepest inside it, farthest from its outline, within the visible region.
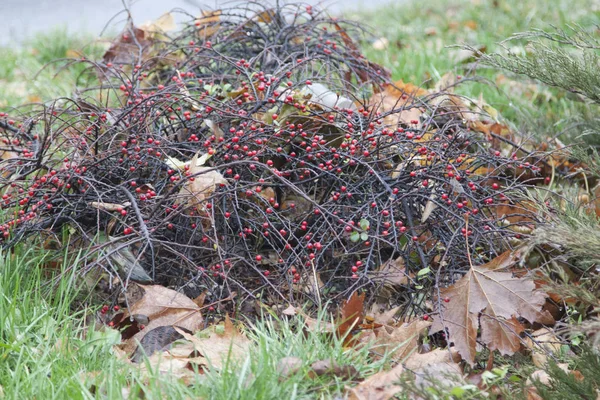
(49, 351)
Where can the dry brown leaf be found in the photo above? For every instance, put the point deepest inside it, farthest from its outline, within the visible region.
(208, 23)
(289, 311)
(217, 348)
(381, 386)
(499, 295)
(392, 272)
(175, 367)
(351, 314)
(438, 364)
(202, 186)
(111, 207)
(126, 49)
(164, 23)
(542, 342)
(391, 103)
(417, 360)
(399, 341)
(163, 307)
(501, 334)
(385, 317)
(441, 375)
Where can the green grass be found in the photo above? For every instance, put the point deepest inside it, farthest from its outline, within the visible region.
(47, 352)
(36, 72)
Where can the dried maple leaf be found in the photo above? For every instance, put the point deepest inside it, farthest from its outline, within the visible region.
(498, 298)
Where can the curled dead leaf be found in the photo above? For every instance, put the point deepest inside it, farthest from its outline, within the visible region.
(163, 307)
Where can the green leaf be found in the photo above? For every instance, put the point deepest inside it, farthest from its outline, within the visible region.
(423, 272)
(364, 236)
(355, 237)
(364, 224)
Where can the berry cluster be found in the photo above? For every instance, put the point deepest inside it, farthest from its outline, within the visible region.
(246, 153)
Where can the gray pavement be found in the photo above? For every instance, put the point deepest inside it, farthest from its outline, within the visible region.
(21, 19)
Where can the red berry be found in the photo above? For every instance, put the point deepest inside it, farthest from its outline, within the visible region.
(425, 317)
(127, 231)
(259, 258)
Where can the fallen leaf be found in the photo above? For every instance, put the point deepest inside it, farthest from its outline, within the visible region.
(201, 184)
(288, 366)
(437, 356)
(180, 368)
(289, 311)
(164, 23)
(329, 367)
(208, 23)
(542, 342)
(130, 45)
(499, 296)
(394, 105)
(383, 317)
(351, 314)
(381, 386)
(392, 272)
(163, 307)
(219, 348)
(399, 341)
(501, 334)
(111, 207)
